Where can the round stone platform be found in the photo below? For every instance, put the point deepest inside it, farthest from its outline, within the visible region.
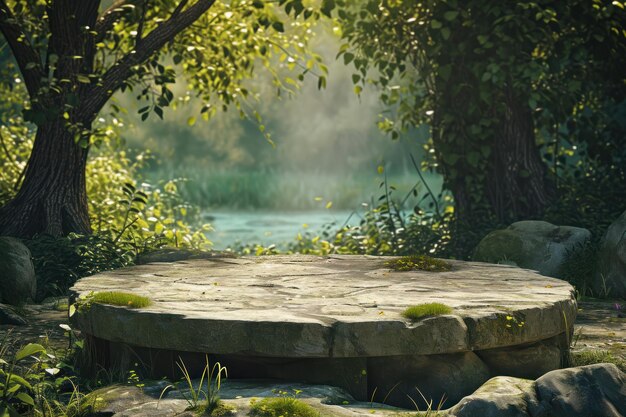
(322, 318)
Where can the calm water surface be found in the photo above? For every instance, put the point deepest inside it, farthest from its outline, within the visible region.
(270, 227)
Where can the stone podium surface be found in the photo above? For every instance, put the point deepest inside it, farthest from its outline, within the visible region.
(334, 320)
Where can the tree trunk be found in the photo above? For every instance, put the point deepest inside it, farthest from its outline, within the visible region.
(53, 196)
(518, 186)
(511, 185)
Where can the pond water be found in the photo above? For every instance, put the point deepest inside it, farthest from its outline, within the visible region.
(270, 227)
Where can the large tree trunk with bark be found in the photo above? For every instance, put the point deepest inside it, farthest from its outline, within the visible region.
(53, 197)
(517, 186)
(511, 184)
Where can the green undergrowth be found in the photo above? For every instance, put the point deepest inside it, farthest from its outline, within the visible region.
(282, 407)
(418, 263)
(121, 299)
(423, 310)
(590, 357)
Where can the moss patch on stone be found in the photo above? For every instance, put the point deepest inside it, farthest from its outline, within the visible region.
(220, 410)
(124, 299)
(282, 407)
(419, 263)
(424, 310)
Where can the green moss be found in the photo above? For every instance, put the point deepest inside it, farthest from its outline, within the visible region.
(422, 310)
(418, 263)
(121, 299)
(218, 410)
(61, 306)
(282, 407)
(590, 357)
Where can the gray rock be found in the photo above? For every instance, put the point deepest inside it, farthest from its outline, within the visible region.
(17, 273)
(501, 396)
(611, 278)
(402, 377)
(587, 391)
(314, 319)
(237, 396)
(315, 307)
(528, 362)
(8, 316)
(531, 244)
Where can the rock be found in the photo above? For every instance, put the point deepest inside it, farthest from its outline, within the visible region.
(236, 396)
(323, 320)
(8, 316)
(611, 277)
(531, 244)
(413, 376)
(528, 362)
(502, 396)
(593, 390)
(17, 273)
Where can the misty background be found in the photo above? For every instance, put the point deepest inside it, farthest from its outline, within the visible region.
(322, 167)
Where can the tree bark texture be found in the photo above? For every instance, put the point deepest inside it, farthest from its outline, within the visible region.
(53, 196)
(518, 186)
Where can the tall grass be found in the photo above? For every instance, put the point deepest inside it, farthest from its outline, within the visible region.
(279, 190)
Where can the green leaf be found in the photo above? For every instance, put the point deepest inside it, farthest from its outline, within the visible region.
(445, 32)
(435, 24)
(321, 82)
(25, 398)
(451, 15)
(278, 26)
(16, 379)
(28, 350)
(191, 121)
(327, 7)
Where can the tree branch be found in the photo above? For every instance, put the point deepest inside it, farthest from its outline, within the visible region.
(28, 59)
(115, 76)
(179, 8)
(108, 17)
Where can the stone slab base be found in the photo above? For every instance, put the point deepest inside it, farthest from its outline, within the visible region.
(402, 381)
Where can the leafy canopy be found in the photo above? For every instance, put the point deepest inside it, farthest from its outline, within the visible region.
(73, 58)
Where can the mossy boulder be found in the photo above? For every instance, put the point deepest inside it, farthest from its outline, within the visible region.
(611, 277)
(502, 396)
(536, 245)
(17, 273)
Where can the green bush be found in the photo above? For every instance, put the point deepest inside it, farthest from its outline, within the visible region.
(59, 262)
